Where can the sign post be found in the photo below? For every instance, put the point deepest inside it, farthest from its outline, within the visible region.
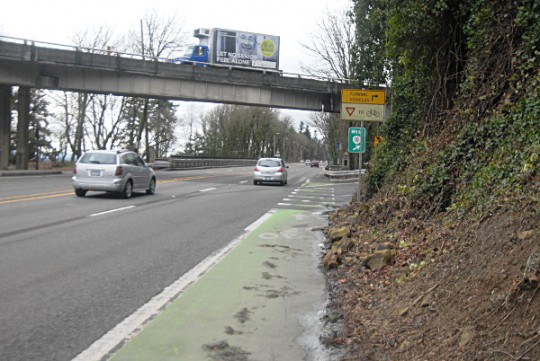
(361, 105)
(357, 144)
(360, 165)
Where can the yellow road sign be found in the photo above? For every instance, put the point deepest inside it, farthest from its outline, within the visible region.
(366, 112)
(360, 96)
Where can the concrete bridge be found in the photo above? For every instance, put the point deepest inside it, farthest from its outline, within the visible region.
(29, 64)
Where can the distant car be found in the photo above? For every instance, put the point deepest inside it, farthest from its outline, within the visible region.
(315, 163)
(119, 171)
(307, 162)
(271, 170)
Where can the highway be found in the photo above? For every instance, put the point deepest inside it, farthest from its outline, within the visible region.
(72, 268)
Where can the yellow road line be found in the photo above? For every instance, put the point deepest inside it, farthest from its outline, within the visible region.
(38, 196)
(32, 197)
(183, 179)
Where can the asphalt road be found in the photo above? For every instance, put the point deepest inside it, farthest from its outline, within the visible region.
(72, 268)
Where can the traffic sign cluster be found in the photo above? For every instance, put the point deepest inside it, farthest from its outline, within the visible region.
(366, 105)
(361, 105)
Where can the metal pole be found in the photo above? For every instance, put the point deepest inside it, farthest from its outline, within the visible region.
(37, 144)
(142, 40)
(360, 170)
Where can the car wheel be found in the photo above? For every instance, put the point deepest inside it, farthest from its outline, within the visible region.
(80, 192)
(152, 187)
(282, 183)
(255, 182)
(128, 190)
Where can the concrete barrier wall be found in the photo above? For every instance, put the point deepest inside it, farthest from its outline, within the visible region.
(182, 163)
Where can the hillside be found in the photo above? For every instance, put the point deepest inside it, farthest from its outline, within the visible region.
(441, 258)
(438, 289)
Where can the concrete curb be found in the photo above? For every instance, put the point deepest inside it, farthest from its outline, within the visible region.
(20, 173)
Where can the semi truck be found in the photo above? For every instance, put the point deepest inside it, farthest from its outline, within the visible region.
(232, 48)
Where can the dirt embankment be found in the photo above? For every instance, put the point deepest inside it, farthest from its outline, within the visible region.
(437, 289)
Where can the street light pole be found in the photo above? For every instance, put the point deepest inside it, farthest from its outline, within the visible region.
(274, 148)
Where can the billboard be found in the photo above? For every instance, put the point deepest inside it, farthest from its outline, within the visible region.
(240, 48)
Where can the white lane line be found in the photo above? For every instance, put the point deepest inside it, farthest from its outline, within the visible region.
(111, 211)
(260, 221)
(207, 189)
(133, 324)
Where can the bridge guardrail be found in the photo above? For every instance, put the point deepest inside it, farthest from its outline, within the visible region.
(342, 175)
(188, 163)
(291, 77)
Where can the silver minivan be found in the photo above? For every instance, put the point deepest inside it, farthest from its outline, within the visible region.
(119, 171)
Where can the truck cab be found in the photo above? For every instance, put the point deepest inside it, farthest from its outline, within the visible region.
(194, 54)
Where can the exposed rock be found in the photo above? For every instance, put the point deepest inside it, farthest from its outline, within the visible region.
(379, 259)
(335, 234)
(525, 235)
(330, 260)
(427, 300)
(466, 336)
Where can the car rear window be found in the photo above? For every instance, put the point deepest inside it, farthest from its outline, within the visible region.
(269, 163)
(98, 158)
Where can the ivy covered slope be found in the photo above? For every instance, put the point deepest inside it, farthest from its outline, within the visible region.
(442, 260)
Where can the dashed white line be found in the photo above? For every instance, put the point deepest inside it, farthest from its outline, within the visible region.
(207, 189)
(111, 211)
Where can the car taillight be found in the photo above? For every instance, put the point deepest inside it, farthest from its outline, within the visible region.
(256, 169)
(75, 169)
(119, 171)
(280, 170)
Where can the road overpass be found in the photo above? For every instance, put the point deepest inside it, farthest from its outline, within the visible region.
(30, 64)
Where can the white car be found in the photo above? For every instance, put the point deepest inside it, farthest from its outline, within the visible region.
(270, 170)
(119, 171)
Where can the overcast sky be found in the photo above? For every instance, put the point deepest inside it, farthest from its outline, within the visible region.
(56, 21)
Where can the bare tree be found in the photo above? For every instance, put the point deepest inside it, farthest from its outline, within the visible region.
(191, 121)
(99, 40)
(105, 121)
(74, 109)
(333, 132)
(158, 37)
(331, 44)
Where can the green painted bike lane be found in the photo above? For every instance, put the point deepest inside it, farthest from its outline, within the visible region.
(259, 302)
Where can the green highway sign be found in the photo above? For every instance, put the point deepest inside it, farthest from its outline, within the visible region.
(357, 140)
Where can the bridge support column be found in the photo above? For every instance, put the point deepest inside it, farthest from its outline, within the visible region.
(5, 125)
(23, 123)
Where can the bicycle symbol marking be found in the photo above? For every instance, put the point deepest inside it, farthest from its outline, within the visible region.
(373, 113)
